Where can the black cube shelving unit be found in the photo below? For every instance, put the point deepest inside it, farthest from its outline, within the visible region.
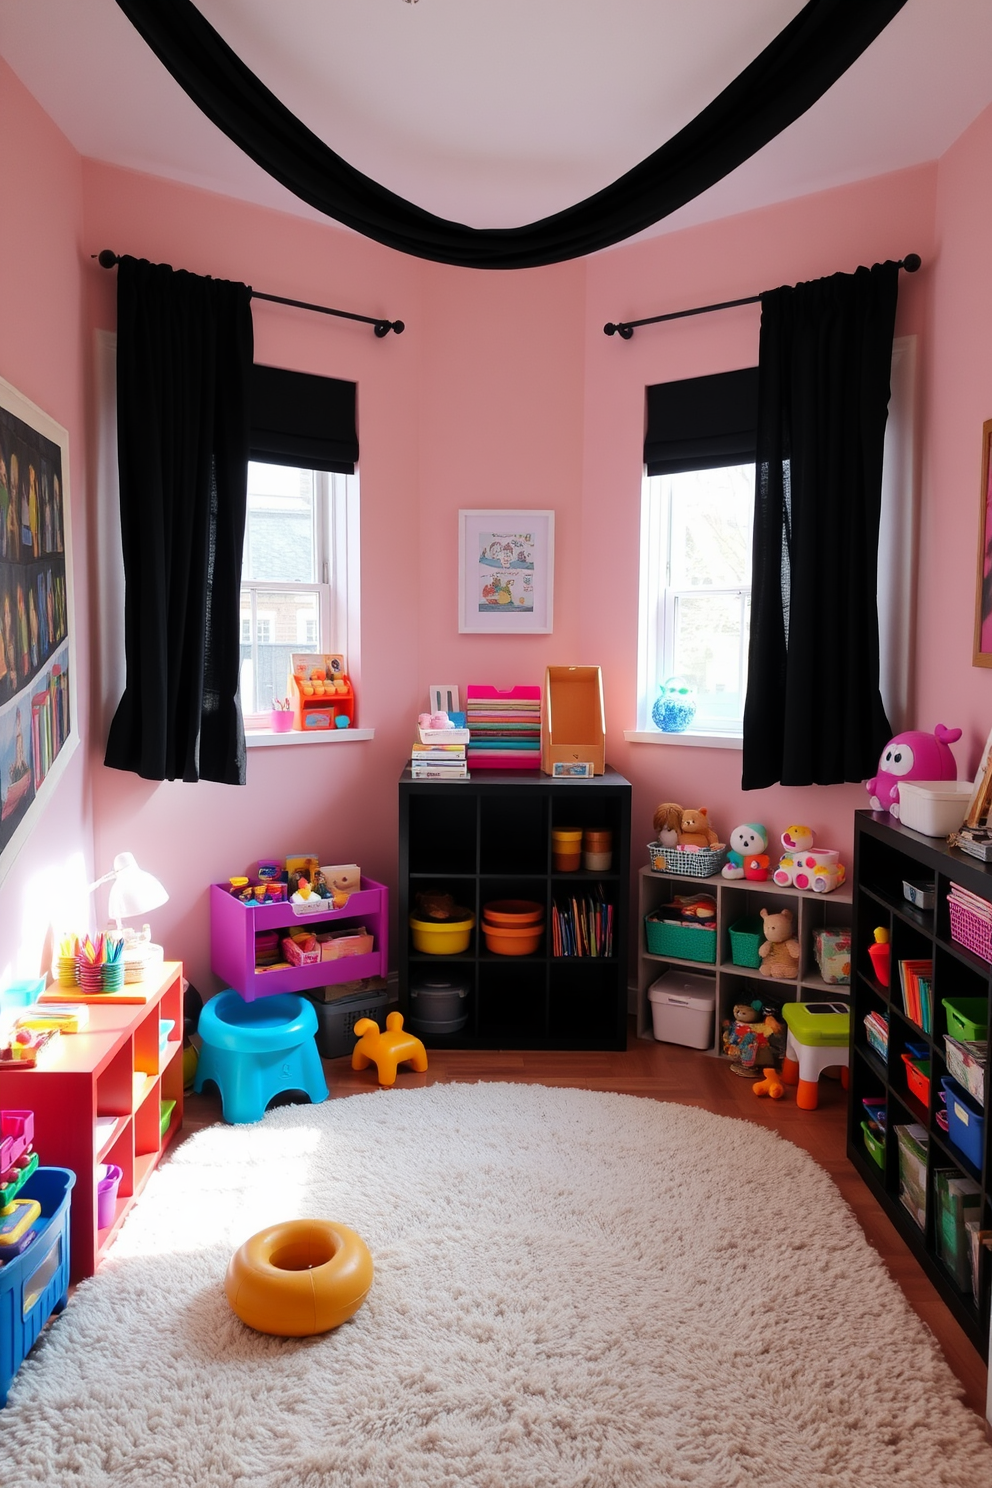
(887, 854)
(489, 837)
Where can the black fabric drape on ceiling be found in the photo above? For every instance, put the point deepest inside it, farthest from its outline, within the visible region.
(300, 419)
(814, 713)
(701, 423)
(782, 82)
(184, 360)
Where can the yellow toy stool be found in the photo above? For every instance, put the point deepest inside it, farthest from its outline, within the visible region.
(387, 1050)
(301, 1277)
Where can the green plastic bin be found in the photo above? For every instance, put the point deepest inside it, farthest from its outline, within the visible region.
(876, 1149)
(967, 1017)
(684, 942)
(746, 936)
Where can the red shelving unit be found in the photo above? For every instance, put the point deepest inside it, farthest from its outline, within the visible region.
(97, 1098)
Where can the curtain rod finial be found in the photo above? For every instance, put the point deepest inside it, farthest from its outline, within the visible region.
(912, 262)
(106, 258)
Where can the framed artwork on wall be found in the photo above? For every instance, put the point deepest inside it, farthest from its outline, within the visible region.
(982, 655)
(38, 731)
(506, 572)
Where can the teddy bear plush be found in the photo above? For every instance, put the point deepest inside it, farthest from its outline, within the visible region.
(779, 951)
(667, 821)
(695, 830)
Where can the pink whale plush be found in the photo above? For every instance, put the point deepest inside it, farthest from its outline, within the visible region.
(913, 755)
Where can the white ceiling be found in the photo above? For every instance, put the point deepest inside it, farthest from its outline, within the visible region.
(498, 112)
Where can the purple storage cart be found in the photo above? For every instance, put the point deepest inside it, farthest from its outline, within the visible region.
(234, 925)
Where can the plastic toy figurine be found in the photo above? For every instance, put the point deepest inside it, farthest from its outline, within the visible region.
(914, 755)
(880, 953)
(795, 840)
(751, 838)
(779, 951)
(387, 1050)
(806, 866)
(771, 1085)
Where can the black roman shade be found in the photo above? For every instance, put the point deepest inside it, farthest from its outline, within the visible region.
(300, 419)
(700, 423)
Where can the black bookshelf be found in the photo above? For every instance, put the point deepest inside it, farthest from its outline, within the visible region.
(489, 837)
(885, 855)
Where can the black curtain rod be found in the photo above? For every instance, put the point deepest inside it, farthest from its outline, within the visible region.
(108, 259)
(625, 328)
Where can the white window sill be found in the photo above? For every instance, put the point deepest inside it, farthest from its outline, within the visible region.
(700, 740)
(266, 739)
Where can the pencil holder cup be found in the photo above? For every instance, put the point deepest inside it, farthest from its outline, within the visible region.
(281, 720)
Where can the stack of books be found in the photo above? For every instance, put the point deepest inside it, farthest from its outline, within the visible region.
(505, 728)
(582, 926)
(916, 982)
(431, 759)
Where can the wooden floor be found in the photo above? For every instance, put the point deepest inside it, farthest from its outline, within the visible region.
(666, 1072)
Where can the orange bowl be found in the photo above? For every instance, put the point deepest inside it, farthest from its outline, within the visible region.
(513, 912)
(504, 941)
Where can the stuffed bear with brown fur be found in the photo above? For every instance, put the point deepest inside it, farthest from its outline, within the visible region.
(779, 952)
(695, 829)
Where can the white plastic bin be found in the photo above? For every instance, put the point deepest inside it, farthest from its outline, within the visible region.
(933, 807)
(683, 1008)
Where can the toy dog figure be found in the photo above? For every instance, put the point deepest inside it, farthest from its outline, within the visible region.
(387, 1050)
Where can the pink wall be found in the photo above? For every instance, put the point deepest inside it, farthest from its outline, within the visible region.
(503, 391)
(42, 353)
(817, 235)
(958, 399)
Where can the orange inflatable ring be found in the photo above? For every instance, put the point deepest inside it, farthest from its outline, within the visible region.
(301, 1277)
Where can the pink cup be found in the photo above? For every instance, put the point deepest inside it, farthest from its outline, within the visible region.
(282, 720)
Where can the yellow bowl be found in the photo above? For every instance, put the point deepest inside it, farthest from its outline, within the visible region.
(442, 937)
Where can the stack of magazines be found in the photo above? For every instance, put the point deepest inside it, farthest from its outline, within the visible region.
(439, 755)
(977, 841)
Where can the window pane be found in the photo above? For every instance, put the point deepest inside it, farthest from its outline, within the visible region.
(712, 516)
(279, 531)
(710, 651)
(284, 622)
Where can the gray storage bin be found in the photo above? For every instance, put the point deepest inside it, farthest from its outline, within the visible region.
(336, 1020)
(437, 1006)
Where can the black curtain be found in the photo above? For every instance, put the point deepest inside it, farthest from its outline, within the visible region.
(184, 361)
(702, 423)
(782, 82)
(813, 713)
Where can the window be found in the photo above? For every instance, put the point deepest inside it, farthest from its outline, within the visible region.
(299, 579)
(696, 590)
(696, 520)
(294, 575)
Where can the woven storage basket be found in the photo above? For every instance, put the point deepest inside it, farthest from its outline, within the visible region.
(685, 942)
(745, 939)
(970, 930)
(699, 864)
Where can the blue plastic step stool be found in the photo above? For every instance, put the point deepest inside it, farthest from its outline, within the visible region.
(253, 1051)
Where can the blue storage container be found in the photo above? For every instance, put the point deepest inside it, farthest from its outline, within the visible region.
(36, 1283)
(965, 1121)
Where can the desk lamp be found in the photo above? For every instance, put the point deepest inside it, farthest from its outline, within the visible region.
(132, 892)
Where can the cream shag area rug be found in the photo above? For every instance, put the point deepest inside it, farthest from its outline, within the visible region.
(572, 1290)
